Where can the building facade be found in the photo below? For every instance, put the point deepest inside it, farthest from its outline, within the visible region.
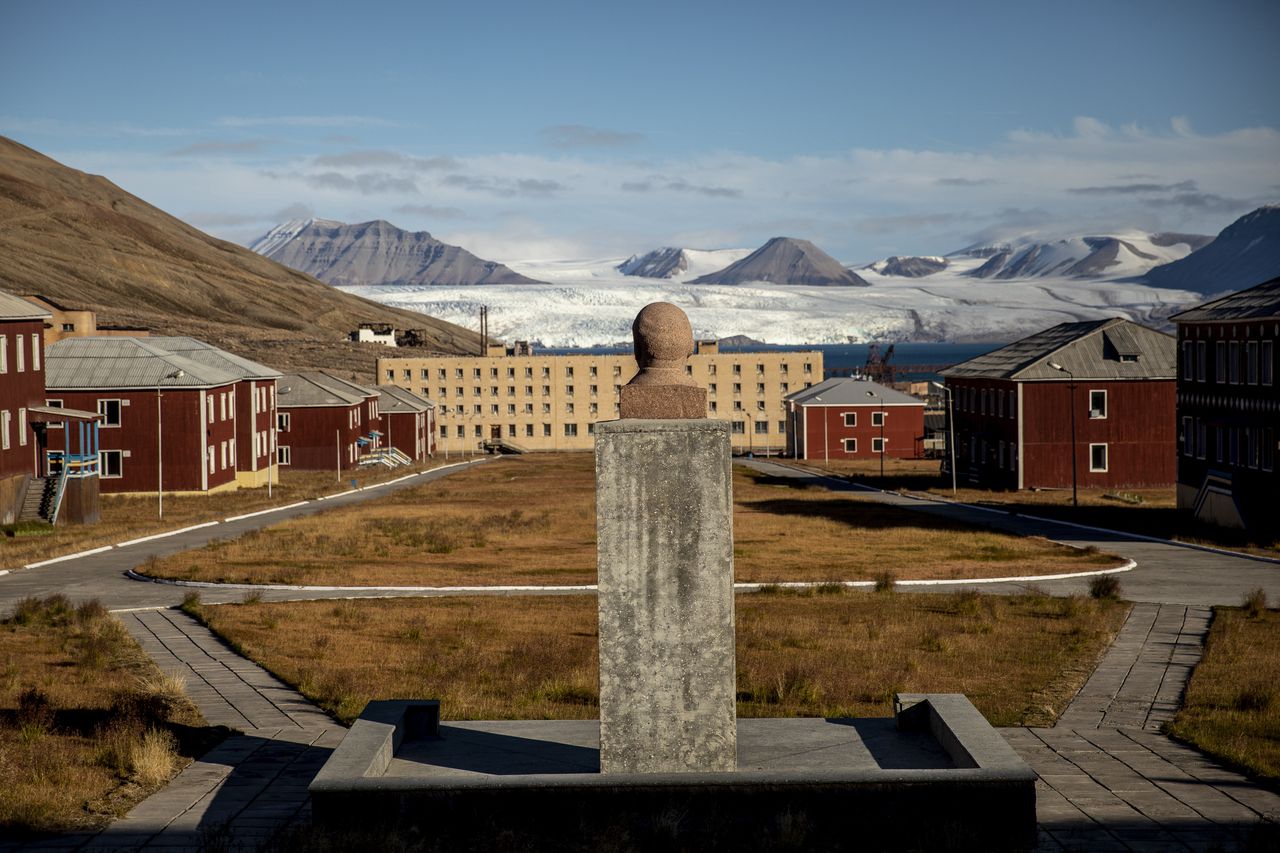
(1096, 395)
(21, 389)
(324, 423)
(408, 422)
(1228, 409)
(846, 418)
(64, 322)
(552, 402)
(166, 421)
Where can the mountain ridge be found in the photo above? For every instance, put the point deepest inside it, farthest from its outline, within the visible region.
(786, 260)
(1245, 253)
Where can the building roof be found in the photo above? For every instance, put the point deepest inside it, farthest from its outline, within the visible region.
(205, 353)
(1092, 349)
(16, 308)
(852, 391)
(1256, 303)
(125, 363)
(396, 400)
(298, 390)
(346, 385)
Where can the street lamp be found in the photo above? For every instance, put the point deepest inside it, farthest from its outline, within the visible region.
(177, 374)
(880, 402)
(750, 435)
(1071, 397)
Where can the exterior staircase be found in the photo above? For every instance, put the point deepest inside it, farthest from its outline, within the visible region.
(503, 445)
(38, 503)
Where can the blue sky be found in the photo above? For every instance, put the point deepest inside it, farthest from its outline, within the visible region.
(526, 130)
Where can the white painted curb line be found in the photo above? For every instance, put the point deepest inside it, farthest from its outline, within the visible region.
(155, 536)
(463, 590)
(266, 511)
(68, 557)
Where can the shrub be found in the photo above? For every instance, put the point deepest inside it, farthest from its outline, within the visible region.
(90, 611)
(154, 757)
(191, 604)
(885, 581)
(1105, 587)
(1255, 603)
(253, 596)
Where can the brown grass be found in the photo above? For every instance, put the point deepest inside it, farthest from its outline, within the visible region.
(1232, 706)
(88, 725)
(532, 520)
(1019, 659)
(1150, 512)
(128, 516)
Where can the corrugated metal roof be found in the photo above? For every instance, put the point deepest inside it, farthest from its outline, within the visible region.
(849, 391)
(1090, 350)
(124, 363)
(396, 399)
(347, 386)
(206, 353)
(1256, 303)
(16, 308)
(295, 390)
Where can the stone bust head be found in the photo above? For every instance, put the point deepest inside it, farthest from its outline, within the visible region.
(663, 342)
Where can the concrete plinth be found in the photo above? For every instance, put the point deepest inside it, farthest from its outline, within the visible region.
(664, 527)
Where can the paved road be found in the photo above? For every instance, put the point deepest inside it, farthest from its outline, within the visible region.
(1166, 573)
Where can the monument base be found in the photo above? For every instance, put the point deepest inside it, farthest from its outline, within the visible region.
(936, 777)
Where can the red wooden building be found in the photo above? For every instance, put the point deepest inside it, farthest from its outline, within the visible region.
(325, 423)
(165, 420)
(21, 389)
(844, 418)
(408, 422)
(255, 404)
(1110, 383)
(1229, 409)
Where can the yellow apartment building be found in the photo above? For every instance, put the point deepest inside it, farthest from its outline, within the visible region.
(552, 402)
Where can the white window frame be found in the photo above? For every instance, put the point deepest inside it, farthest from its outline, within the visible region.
(22, 426)
(850, 445)
(102, 464)
(851, 419)
(54, 404)
(283, 421)
(211, 412)
(212, 460)
(19, 355)
(284, 454)
(878, 444)
(119, 412)
(4, 353)
(1092, 411)
(1188, 436)
(5, 417)
(877, 418)
(35, 351)
(1106, 459)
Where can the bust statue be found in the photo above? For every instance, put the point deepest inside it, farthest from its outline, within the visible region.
(661, 388)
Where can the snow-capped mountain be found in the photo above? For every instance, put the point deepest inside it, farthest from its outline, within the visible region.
(1247, 252)
(909, 266)
(786, 260)
(680, 264)
(377, 253)
(1091, 256)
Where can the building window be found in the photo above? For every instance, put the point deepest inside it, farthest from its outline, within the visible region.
(1267, 368)
(1220, 361)
(877, 419)
(1098, 458)
(782, 427)
(1097, 404)
(110, 411)
(737, 370)
(19, 354)
(1233, 362)
(284, 454)
(391, 375)
(1202, 356)
(210, 399)
(1188, 437)
(5, 417)
(22, 427)
(1186, 361)
(711, 370)
(711, 388)
(762, 427)
(35, 352)
(283, 419)
(738, 427)
(711, 407)
(110, 464)
(568, 408)
(1251, 350)
(570, 430)
(458, 391)
(4, 353)
(878, 444)
(478, 431)
(546, 430)
(68, 327)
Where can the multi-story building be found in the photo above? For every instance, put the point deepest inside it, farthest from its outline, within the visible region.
(21, 389)
(64, 322)
(325, 423)
(254, 408)
(165, 420)
(1228, 409)
(552, 402)
(846, 418)
(408, 422)
(1109, 384)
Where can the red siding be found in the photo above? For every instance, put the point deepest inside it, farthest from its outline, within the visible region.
(407, 432)
(253, 418)
(187, 429)
(903, 431)
(319, 436)
(20, 389)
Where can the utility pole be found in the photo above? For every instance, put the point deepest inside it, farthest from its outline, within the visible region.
(177, 374)
(1071, 397)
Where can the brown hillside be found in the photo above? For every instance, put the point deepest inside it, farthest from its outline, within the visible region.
(84, 242)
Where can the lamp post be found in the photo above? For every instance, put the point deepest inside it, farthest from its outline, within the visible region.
(951, 435)
(177, 374)
(751, 449)
(1071, 397)
(880, 402)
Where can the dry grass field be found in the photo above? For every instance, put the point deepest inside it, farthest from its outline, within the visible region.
(130, 516)
(88, 725)
(1232, 706)
(1150, 512)
(1019, 659)
(532, 520)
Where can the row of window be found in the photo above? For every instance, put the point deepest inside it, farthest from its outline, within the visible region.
(1243, 447)
(1007, 455)
(19, 353)
(760, 427)
(998, 402)
(878, 445)
(851, 419)
(1234, 362)
(442, 392)
(6, 428)
(545, 371)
